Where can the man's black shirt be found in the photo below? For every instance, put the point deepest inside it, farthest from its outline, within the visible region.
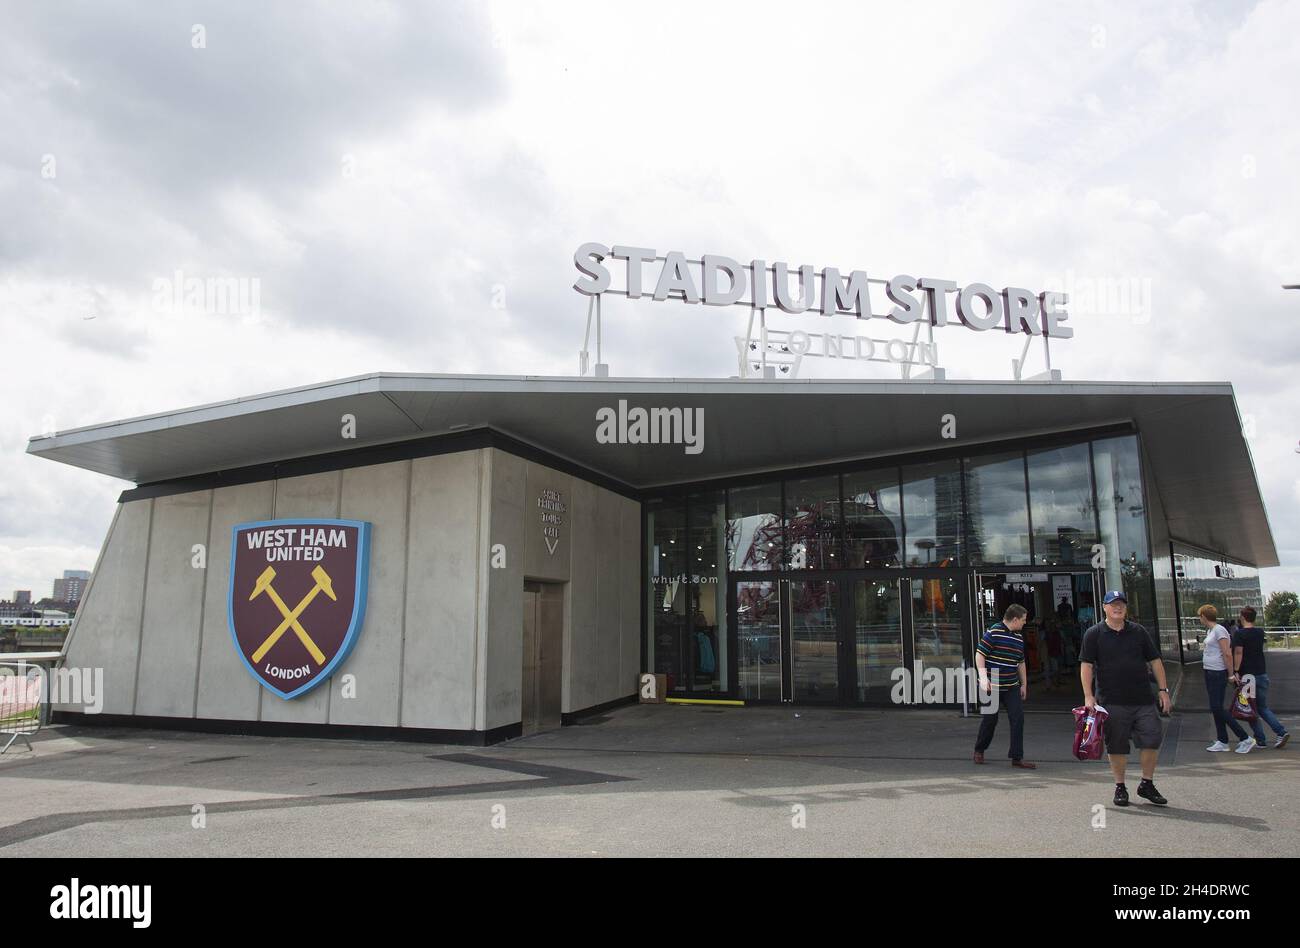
(1251, 643)
(1120, 661)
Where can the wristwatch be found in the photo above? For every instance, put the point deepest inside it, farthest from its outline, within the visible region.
(1165, 690)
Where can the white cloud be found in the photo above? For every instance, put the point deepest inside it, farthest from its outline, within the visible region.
(385, 177)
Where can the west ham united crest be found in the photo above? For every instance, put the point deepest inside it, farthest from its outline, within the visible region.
(297, 598)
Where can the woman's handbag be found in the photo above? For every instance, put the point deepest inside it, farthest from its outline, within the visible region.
(1243, 706)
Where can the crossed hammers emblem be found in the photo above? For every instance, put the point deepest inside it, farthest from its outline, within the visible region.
(263, 585)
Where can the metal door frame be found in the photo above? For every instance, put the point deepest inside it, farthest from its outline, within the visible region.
(846, 579)
(547, 594)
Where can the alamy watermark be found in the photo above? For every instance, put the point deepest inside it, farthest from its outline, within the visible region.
(623, 425)
(24, 688)
(221, 296)
(945, 686)
(1127, 296)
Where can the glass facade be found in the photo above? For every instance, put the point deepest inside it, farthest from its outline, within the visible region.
(1200, 579)
(755, 528)
(686, 596)
(1162, 574)
(812, 523)
(764, 591)
(1122, 515)
(997, 526)
(707, 589)
(873, 519)
(932, 514)
(1060, 506)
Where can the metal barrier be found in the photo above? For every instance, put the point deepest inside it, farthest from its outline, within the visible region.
(1282, 638)
(23, 708)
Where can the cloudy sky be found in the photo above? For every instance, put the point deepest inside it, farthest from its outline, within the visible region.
(401, 188)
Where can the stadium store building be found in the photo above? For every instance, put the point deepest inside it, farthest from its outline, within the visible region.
(491, 562)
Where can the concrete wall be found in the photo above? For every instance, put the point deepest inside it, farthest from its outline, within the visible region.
(441, 644)
(598, 553)
(439, 664)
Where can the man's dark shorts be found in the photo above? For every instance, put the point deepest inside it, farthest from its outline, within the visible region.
(1141, 722)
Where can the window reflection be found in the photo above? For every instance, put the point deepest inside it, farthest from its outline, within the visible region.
(873, 519)
(1221, 583)
(936, 623)
(812, 526)
(754, 528)
(1122, 510)
(998, 509)
(932, 514)
(1061, 508)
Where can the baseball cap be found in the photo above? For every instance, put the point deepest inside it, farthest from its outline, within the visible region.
(1113, 595)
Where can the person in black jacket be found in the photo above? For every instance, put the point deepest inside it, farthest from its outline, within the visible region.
(1248, 659)
(1116, 656)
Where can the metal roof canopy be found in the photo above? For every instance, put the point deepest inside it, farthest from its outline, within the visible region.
(750, 426)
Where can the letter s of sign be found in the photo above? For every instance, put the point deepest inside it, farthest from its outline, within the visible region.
(588, 260)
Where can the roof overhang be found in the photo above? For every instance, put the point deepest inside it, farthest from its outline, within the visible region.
(750, 426)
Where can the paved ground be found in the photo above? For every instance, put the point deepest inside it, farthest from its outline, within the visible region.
(643, 780)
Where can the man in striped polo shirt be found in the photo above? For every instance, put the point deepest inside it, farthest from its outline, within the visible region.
(1000, 659)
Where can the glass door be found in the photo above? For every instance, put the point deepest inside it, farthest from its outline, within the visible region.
(938, 637)
(815, 640)
(758, 640)
(877, 639)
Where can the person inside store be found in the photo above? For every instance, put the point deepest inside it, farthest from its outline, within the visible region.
(1055, 647)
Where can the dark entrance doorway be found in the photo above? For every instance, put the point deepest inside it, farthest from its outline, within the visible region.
(1062, 605)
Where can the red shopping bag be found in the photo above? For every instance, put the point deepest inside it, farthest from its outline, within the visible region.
(1243, 706)
(1089, 732)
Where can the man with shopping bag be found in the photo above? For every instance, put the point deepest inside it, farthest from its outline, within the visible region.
(1116, 656)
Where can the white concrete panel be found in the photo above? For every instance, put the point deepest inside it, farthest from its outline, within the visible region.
(227, 692)
(312, 495)
(108, 628)
(630, 607)
(173, 606)
(439, 667)
(580, 660)
(379, 495)
(503, 640)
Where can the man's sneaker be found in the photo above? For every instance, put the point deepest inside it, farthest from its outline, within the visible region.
(1147, 791)
(1218, 746)
(1246, 746)
(979, 757)
(1121, 795)
(1281, 741)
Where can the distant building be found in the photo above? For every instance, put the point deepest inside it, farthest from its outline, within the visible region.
(54, 605)
(23, 597)
(71, 586)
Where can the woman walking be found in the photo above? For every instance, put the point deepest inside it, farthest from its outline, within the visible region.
(1216, 659)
